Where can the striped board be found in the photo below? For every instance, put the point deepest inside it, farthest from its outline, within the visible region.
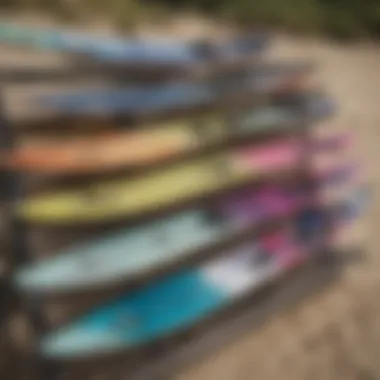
(133, 253)
(176, 303)
(133, 51)
(153, 145)
(111, 200)
(142, 100)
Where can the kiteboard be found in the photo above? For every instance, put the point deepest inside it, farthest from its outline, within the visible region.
(116, 199)
(153, 145)
(129, 254)
(174, 304)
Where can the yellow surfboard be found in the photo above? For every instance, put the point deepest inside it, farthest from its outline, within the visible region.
(144, 147)
(127, 198)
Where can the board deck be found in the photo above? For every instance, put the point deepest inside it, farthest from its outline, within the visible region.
(141, 51)
(153, 145)
(102, 202)
(133, 253)
(177, 302)
(162, 98)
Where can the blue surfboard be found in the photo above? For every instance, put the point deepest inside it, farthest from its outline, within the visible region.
(163, 97)
(131, 51)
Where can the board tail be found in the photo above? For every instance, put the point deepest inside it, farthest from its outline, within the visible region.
(322, 226)
(355, 205)
(315, 221)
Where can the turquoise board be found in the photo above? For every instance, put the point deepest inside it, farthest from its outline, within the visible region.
(171, 304)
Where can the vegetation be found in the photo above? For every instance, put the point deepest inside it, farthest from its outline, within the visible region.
(337, 18)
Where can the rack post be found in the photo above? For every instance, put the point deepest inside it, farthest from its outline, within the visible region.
(11, 190)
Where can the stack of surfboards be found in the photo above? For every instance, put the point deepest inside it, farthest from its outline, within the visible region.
(202, 179)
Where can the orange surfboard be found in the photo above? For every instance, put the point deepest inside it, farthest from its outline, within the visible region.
(141, 147)
(98, 153)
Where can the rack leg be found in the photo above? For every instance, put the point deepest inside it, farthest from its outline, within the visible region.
(11, 190)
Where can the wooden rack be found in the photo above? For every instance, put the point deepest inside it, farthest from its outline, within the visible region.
(182, 351)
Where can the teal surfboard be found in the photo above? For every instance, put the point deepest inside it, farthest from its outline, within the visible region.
(169, 305)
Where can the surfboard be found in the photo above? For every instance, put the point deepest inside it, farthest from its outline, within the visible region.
(132, 253)
(142, 100)
(153, 145)
(110, 200)
(177, 302)
(134, 51)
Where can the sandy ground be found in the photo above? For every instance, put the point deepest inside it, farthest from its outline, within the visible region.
(336, 334)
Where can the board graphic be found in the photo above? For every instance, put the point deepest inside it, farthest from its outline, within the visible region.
(110, 200)
(177, 302)
(132, 253)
